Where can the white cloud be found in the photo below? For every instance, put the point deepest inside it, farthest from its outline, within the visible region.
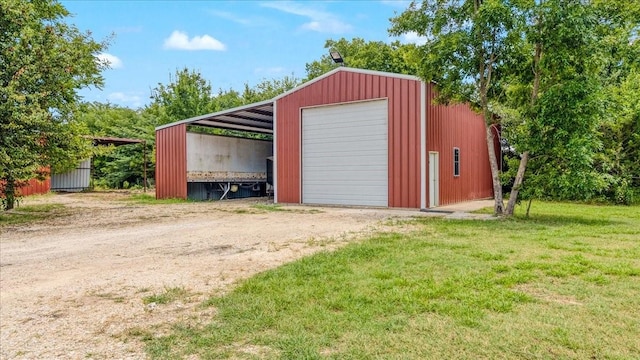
(111, 61)
(180, 41)
(320, 21)
(413, 38)
(127, 99)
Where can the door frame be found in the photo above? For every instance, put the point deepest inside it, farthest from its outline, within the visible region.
(434, 179)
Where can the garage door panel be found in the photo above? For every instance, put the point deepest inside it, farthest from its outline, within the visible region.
(336, 180)
(341, 125)
(335, 158)
(336, 169)
(339, 140)
(345, 154)
(338, 148)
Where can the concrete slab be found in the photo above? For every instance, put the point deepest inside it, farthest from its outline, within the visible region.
(466, 206)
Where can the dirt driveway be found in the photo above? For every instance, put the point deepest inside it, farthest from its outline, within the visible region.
(74, 287)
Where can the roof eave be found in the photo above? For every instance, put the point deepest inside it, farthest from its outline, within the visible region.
(347, 69)
(211, 115)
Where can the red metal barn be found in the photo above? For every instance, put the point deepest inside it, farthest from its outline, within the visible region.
(35, 186)
(353, 137)
(32, 187)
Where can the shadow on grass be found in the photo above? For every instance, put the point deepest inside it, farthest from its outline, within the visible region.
(31, 214)
(535, 219)
(566, 220)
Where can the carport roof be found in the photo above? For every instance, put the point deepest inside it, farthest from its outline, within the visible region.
(256, 117)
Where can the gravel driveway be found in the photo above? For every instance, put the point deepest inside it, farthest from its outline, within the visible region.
(74, 287)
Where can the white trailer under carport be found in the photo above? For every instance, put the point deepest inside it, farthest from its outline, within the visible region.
(224, 165)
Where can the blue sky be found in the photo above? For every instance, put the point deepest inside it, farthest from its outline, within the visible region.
(229, 42)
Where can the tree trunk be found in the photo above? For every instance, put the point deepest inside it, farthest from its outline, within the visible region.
(524, 159)
(498, 207)
(517, 183)
(9, 194)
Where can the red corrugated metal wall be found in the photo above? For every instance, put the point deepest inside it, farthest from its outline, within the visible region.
(458, 126)
(171, 162)
(35, 186)
(345, 86)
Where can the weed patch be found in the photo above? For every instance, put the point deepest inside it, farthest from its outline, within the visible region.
(169, 295)
(278, 207)
(146, 199)
(32, 213)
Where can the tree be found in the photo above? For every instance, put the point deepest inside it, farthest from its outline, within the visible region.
(187, 95)
(619, 129)
(468, 47)
(43, 62)
(268, 89)
(562, 102)
(619, 132)
(122, 166)
(533, 67)
(371, 55)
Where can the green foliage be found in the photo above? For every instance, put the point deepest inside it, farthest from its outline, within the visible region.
(547, 69)
(268, 89)
(619, 130)
(620, 136)
(563, 142)
(115, 167)
(43, 62)
(187, 95)
(469, 45)
(585, 64)
(370, 55)
(566, 276)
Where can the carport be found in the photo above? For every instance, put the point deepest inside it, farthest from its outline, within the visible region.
(184, 169)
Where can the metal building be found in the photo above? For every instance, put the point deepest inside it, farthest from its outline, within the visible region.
(76, 180)
(33, 187)
(353, 137)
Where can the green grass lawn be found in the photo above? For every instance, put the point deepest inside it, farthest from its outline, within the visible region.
(564, 283)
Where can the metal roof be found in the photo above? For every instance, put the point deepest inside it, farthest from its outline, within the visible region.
(347, 69)
(256, 117)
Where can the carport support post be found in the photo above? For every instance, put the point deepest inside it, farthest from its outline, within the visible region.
(144, 154)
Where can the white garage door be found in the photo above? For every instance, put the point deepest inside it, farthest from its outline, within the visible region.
(344, 154)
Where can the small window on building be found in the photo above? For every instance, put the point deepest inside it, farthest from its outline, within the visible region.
(456, 161)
